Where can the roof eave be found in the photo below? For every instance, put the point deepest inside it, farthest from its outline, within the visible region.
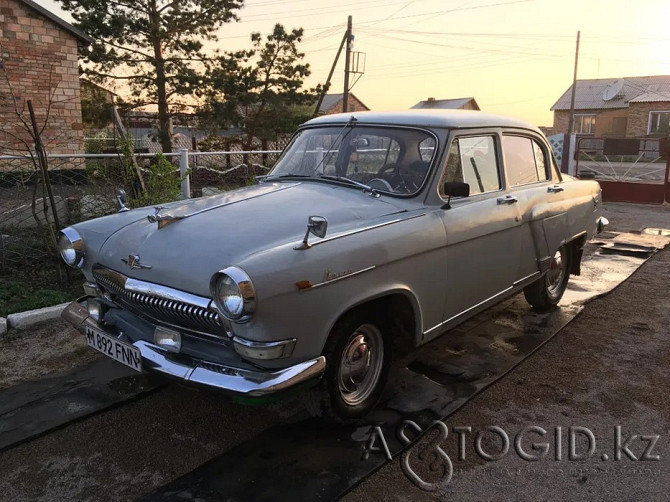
(77, 33)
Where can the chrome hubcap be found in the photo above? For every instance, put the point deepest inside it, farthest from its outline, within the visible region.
(556, 274)
(361, 364)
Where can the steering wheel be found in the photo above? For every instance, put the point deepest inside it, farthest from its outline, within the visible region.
(399, 177)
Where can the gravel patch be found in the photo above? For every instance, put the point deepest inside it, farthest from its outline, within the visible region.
(46, 348)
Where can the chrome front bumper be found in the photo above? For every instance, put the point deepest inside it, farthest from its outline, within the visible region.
(237, 381)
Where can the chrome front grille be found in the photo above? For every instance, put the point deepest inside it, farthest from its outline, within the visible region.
(161, 304)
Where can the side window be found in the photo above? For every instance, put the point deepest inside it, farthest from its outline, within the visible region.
(427, 149)
(472, 160)
(525, 160)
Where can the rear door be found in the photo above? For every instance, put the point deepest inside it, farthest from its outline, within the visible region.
(541, 202)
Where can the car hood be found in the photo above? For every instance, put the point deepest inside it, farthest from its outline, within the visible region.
(207, 234)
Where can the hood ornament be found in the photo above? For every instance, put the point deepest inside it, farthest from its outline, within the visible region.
(163, 220)
(133, 262)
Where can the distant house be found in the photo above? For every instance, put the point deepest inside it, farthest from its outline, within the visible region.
(332, 103)
(623, 107)
(448, 104)
(40, 56)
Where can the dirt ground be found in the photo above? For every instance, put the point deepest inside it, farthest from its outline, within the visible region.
(43, 349)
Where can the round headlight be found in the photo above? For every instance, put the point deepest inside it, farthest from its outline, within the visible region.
(233, 293)
(71, 247)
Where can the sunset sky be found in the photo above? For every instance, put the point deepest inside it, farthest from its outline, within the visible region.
(514, 57)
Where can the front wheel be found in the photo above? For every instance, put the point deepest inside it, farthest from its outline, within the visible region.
(357, 353)
(548, 290)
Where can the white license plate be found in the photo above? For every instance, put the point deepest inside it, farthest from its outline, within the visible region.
(119, 351)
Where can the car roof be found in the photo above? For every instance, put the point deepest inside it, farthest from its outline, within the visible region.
(454, 119)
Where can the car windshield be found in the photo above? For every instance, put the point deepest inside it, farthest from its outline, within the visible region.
(386, 159)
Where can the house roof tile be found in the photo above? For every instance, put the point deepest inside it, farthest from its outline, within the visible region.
(330, 100)
(445, 104)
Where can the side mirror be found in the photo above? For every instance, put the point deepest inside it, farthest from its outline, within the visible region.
(316, 225)
(122, 199)
(456, 189)
(360, 142)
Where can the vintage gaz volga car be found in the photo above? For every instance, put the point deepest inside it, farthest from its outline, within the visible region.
(374, 231)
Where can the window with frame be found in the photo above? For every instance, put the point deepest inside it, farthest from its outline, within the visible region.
(472, 160)
(525, 160)
(659, 122)
(584, 124)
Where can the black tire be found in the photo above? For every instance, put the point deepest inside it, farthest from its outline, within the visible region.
(547, 291)
(358, 355)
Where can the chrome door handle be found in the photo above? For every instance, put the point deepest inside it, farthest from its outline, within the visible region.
(507, 199)
(555, 189)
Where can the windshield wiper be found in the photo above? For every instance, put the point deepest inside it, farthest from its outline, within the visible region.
(269, 177)
(349, 181)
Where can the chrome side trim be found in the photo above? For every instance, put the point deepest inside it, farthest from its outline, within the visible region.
(468, 310)
(524, 279)
(364, 229)
(340, 278)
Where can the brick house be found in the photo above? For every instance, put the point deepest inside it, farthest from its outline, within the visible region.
(626, 107)
(332, 103)
(40, 56)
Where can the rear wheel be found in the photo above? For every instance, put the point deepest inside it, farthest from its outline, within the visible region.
(357, 364)
(548, 290)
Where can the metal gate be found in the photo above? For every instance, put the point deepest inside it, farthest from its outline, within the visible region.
(628, 169)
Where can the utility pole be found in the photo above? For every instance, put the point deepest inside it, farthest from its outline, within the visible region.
(330, 75)
(347, 62)
(571, 123)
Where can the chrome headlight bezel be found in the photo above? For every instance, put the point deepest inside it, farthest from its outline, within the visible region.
(71, 247)
(239, 284)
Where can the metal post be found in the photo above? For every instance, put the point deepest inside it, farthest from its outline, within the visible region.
(347, 63)
(183, 173)
(571, 122)
(572, 166)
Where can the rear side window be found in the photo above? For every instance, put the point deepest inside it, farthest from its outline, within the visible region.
(525, 160)
(472, 160)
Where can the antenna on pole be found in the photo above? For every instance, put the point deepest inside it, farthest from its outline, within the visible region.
(571, 123)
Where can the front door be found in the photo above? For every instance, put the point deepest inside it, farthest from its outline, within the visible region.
(483, 230)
